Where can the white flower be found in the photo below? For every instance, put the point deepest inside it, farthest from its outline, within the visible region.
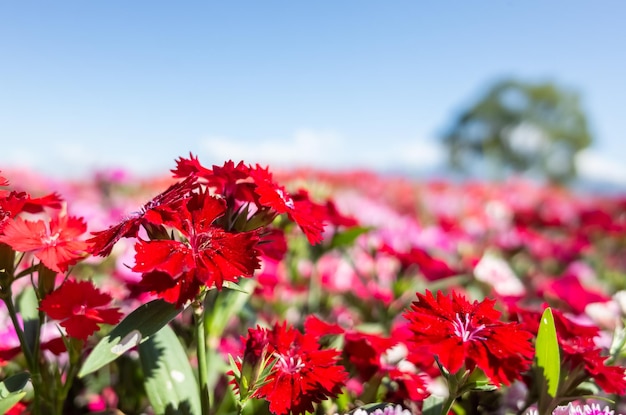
(389, 410)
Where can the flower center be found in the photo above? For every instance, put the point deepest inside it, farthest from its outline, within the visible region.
(51, 240)
(203, 241)
(79, 309)
(464, 330)
(289, 364)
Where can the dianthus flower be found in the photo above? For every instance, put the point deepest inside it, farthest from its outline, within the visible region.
(12, 203)
(161, 210)
(298, 207)
(571, 409)
(55, 243)
(79, 307)
(240, 184)
(373, 354)
(231, 181)
(302, 373)
(463, 334)
(209, 256)
(388, 410)
(431, 268)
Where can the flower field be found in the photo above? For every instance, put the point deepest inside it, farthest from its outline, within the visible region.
(236, 289)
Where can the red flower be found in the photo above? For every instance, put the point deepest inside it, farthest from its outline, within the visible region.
(568, 290)
(302, 374)
(467, 334)
(55, 243)
(432, 268)
(78, 304)
(13, 203)
(372, 354)
(7, 353)
(231, 181)
(336, 218)
(175, 270)
(364, 352)
(161, 210)
(190, 167)
(299, 208)
(18, 409)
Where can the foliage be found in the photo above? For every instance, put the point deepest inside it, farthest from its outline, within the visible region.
(521, 127)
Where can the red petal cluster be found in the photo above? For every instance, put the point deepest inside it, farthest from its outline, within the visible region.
(298, 207)
(79, 307)
(303, 374)
(55, 243)
(368, 354)
(160, 210)
(432, 268)
(208, 256)
(463, 334)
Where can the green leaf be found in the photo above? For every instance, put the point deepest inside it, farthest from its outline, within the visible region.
(433, 405)
(27, 305)
(547, 352)
(347, 237)
(478, 381)
(11, 390)
(13, 384)
(10, 400)
(169, 380)
(225, 305)
(135, 329)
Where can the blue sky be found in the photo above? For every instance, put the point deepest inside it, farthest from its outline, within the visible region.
(338, 84)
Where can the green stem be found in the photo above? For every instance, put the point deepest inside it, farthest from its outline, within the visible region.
(456, 384)
(447, 405)
(74, 348)
(31, 361)
(198, 314)
(20, 333)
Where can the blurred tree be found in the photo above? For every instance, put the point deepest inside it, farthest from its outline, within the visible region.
(523, 128)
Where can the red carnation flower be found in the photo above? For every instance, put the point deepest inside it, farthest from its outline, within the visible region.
(190, 167)
(336, 218)
(175, 270)
(467, 334)
(55, 243)
(78, 304)
(372, 354)
(432, 268)
(231, 181)
(14, 203)
(161, 210)
(299, 208)
(302, 374)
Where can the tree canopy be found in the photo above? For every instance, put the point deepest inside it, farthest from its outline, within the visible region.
(519, 127)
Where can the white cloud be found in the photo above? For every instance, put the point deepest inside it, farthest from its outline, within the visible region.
(326, 149)
(306, 147)
(592, 165)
